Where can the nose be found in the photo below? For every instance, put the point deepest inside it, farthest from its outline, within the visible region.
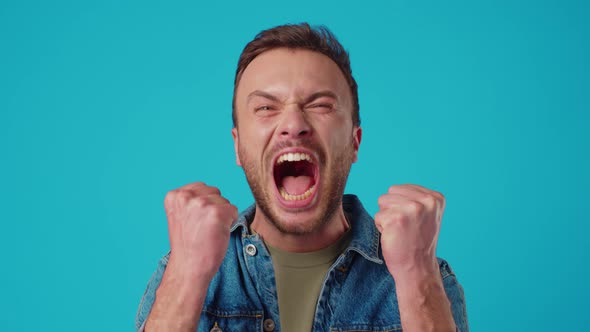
(294, 123)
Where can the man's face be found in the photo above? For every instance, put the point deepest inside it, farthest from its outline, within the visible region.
(294, 137)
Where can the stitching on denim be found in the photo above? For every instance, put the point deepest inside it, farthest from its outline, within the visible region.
(365, 255)
(227, 314)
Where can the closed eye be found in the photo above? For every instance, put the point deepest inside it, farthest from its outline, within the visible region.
(263, 108)
(321, 107)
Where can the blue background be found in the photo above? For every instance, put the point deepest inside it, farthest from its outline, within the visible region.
(107, 105)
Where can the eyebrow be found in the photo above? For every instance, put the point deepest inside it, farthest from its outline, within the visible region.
(310, 98)
(319, 94)
(258, 93)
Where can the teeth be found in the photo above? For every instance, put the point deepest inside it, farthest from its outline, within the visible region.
(289, 197)
(293, 157)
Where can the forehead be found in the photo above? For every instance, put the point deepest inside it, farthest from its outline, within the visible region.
(292, 73)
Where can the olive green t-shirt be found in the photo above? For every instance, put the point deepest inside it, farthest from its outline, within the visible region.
(299, 279)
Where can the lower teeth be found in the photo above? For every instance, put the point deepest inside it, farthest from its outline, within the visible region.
(289, 197)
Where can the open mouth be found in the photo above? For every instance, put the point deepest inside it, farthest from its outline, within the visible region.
(296, 175)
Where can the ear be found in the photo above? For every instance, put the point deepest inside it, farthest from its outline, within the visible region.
(357, 134)
(234, 134)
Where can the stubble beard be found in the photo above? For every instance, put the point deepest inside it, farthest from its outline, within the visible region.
(329, 200)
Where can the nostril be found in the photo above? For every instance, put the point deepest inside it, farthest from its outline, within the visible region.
(294, 125)
(303, 132)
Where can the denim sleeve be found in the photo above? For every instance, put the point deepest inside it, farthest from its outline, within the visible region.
(456, 296)
(145, 306)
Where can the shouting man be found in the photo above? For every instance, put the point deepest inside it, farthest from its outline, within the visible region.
(304, 257)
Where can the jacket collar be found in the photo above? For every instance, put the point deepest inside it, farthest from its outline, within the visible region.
(365, 236)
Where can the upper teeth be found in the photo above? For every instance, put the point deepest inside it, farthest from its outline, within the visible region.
(293, 157)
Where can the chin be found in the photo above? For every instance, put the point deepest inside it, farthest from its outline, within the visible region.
(301, 220)
(298, 225)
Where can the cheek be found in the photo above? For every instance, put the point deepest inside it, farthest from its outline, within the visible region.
(340, 139)
(254, 139)
(264, 130)
(257, 129)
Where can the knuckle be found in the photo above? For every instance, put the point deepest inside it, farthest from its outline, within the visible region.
(415, 207)
(382, 200)
(395, 222)
(199, 202)
(430, 200)
(395, 217)
(441, 198)
(438, 195)
(216, 213)
(401, 218)
(202, 186)
(171, 198)
(183, 196)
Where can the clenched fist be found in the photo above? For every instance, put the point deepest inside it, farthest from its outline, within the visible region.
(409, 220)
(199, 219)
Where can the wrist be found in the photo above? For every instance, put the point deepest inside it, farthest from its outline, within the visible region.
(418, 270)
(188, 273)
(422, 291)
(418, 282)
(192, 266)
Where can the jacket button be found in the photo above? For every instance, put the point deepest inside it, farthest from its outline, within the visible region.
(269, 325)
(251, 249)
(215, 328)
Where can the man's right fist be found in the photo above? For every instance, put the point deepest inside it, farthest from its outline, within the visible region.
(199, 219)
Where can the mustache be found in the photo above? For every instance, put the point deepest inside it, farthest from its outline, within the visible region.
(300, 143)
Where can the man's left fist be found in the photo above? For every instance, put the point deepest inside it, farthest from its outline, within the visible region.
(409, 220)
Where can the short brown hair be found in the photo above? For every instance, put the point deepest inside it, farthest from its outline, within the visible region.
(299, 36)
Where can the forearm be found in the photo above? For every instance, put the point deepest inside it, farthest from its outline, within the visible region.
(423, 303)
(179, 301)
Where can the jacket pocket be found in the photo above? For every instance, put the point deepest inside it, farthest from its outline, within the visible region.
(230, 321)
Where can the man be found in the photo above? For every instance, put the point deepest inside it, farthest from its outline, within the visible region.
(304, 257)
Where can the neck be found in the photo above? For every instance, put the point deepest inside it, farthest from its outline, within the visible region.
(319, 238)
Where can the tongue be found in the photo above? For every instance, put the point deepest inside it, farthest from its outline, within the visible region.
(297, 185)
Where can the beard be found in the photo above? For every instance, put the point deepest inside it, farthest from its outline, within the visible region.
(333, 182)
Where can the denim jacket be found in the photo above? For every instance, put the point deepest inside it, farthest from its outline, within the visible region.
(358, 293)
